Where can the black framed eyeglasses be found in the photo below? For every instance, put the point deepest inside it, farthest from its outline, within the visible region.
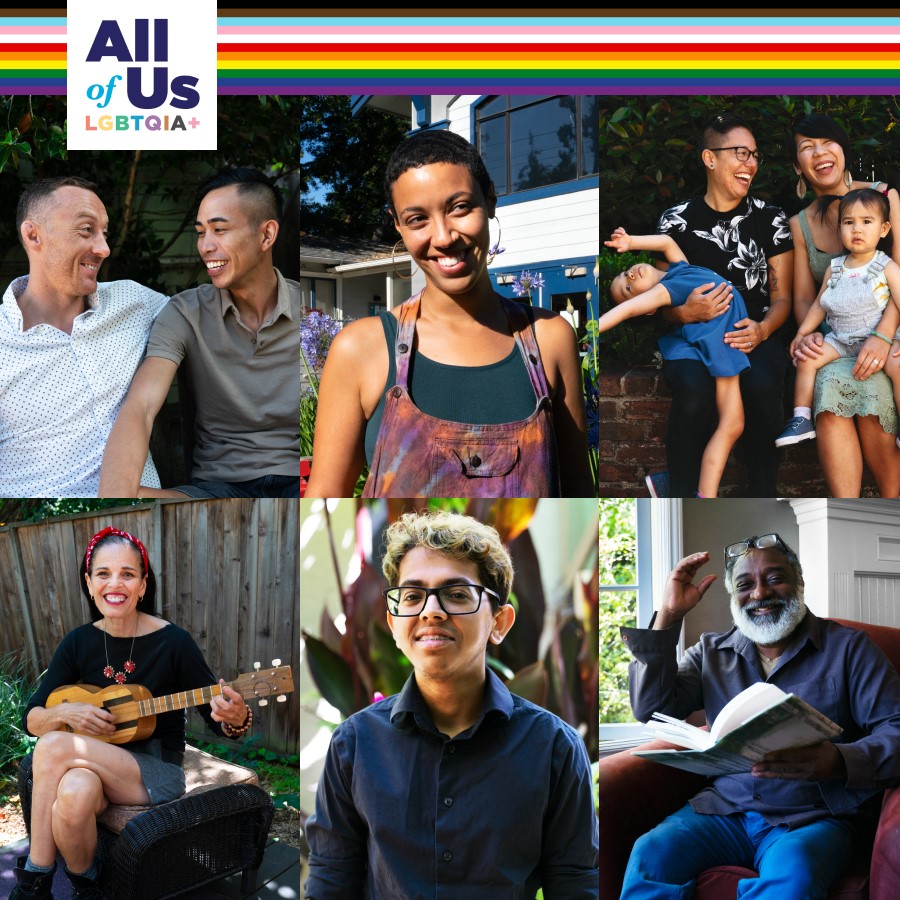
(742, 153)
(763, 542)
(460, 599)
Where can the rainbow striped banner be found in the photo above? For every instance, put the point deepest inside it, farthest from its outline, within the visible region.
(509, 54)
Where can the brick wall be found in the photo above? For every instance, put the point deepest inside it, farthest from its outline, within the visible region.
(634, 409)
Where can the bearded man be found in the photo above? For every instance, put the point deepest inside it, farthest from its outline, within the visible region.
(793, 818)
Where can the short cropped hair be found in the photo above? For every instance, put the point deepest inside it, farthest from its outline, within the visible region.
(718, 126)
(426, 147)
(792, 560)
(33, 199)
(458, 536)
(252, 185)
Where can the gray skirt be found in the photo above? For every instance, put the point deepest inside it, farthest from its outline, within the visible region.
(161, 770)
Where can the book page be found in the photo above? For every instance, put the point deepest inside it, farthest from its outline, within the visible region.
(747, 704)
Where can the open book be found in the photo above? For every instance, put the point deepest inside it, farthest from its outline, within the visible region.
(759, 720)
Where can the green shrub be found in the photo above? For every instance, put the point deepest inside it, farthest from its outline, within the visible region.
(16, 688)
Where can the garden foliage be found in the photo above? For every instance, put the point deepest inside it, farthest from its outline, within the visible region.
(618, 565)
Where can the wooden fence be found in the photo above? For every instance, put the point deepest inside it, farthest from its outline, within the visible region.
(227, 571)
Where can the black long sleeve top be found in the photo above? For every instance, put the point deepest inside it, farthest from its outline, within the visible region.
(166, 661)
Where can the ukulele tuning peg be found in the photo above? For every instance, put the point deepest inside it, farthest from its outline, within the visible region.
(256, 666)
(281, 698)
(276, 662)
(263, 702)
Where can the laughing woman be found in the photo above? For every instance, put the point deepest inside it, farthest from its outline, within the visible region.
(459, 392)
(76, 773)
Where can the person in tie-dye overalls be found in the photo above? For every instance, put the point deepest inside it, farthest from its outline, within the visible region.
(458, 392)
(858, 299)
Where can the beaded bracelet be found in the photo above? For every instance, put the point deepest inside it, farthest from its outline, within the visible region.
(236, 731)
(887, 340)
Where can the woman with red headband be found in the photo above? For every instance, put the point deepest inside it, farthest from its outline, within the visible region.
(77, 776)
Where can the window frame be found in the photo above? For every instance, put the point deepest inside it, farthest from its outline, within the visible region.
(580, 181)
(660, 541)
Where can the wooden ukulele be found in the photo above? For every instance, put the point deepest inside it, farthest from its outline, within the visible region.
(135, 709)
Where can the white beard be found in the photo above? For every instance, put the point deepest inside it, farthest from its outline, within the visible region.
(771, 628)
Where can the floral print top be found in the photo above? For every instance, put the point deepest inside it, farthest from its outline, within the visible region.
(736, 244)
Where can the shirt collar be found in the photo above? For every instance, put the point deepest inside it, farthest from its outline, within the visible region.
(282, 304)
(15, 290)
(409, 706)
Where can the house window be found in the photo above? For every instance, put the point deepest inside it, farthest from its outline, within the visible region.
(626, 598)
(530, 142)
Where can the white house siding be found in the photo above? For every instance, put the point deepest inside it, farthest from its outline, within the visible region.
(559, 227)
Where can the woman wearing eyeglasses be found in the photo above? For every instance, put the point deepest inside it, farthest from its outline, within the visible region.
(749, 243)
(855, 415)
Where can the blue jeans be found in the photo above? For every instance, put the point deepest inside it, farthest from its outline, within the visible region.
(264, 486)
(798, 864)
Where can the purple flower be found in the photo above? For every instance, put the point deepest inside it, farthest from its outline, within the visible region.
(525, 283)
(317, 330)
(496, 250)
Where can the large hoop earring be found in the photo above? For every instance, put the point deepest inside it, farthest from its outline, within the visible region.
(496, 249)
(801, 188)
(848, 179)
(397, 272)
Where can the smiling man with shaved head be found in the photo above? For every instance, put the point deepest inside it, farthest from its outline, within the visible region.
(793, 817)
(69, 346)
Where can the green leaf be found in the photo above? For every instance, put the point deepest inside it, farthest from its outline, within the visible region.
(530, 683)
(620, 114)
(331, 674)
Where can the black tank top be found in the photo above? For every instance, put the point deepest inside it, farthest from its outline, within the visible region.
(480, 395)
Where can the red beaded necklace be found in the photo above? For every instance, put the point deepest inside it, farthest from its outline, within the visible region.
(129, 666)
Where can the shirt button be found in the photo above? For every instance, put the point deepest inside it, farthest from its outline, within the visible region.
(448, 801)
(447, 856)
(476, 461)
(757, 796)
(402, 348)
(451, 748)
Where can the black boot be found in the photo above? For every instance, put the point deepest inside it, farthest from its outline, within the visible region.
(32, 885)
(85, 888)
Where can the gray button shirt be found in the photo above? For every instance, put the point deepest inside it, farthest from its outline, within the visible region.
(836, 669)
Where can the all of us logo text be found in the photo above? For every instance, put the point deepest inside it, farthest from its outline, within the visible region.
(141, 87)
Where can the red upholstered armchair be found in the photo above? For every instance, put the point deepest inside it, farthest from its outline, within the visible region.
(636, 794)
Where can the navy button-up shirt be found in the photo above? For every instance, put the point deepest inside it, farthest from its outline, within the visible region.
(836, 669)
(405, 813)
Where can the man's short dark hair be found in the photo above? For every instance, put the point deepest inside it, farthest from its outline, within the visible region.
(38, 192)
(426, 147)
(718, 126)
(252, 185)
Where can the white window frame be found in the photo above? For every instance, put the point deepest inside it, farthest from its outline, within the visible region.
(659, 528)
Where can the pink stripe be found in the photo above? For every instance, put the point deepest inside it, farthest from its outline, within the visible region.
(32, 29)
(739, 32)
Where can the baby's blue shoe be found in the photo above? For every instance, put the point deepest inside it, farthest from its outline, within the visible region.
(798, 429)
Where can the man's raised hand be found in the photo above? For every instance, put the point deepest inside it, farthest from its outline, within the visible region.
(680, 594)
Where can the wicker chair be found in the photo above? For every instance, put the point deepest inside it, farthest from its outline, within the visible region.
(218, 827)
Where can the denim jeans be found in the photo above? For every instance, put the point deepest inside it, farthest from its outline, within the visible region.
(265, 486)
(798, 864)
